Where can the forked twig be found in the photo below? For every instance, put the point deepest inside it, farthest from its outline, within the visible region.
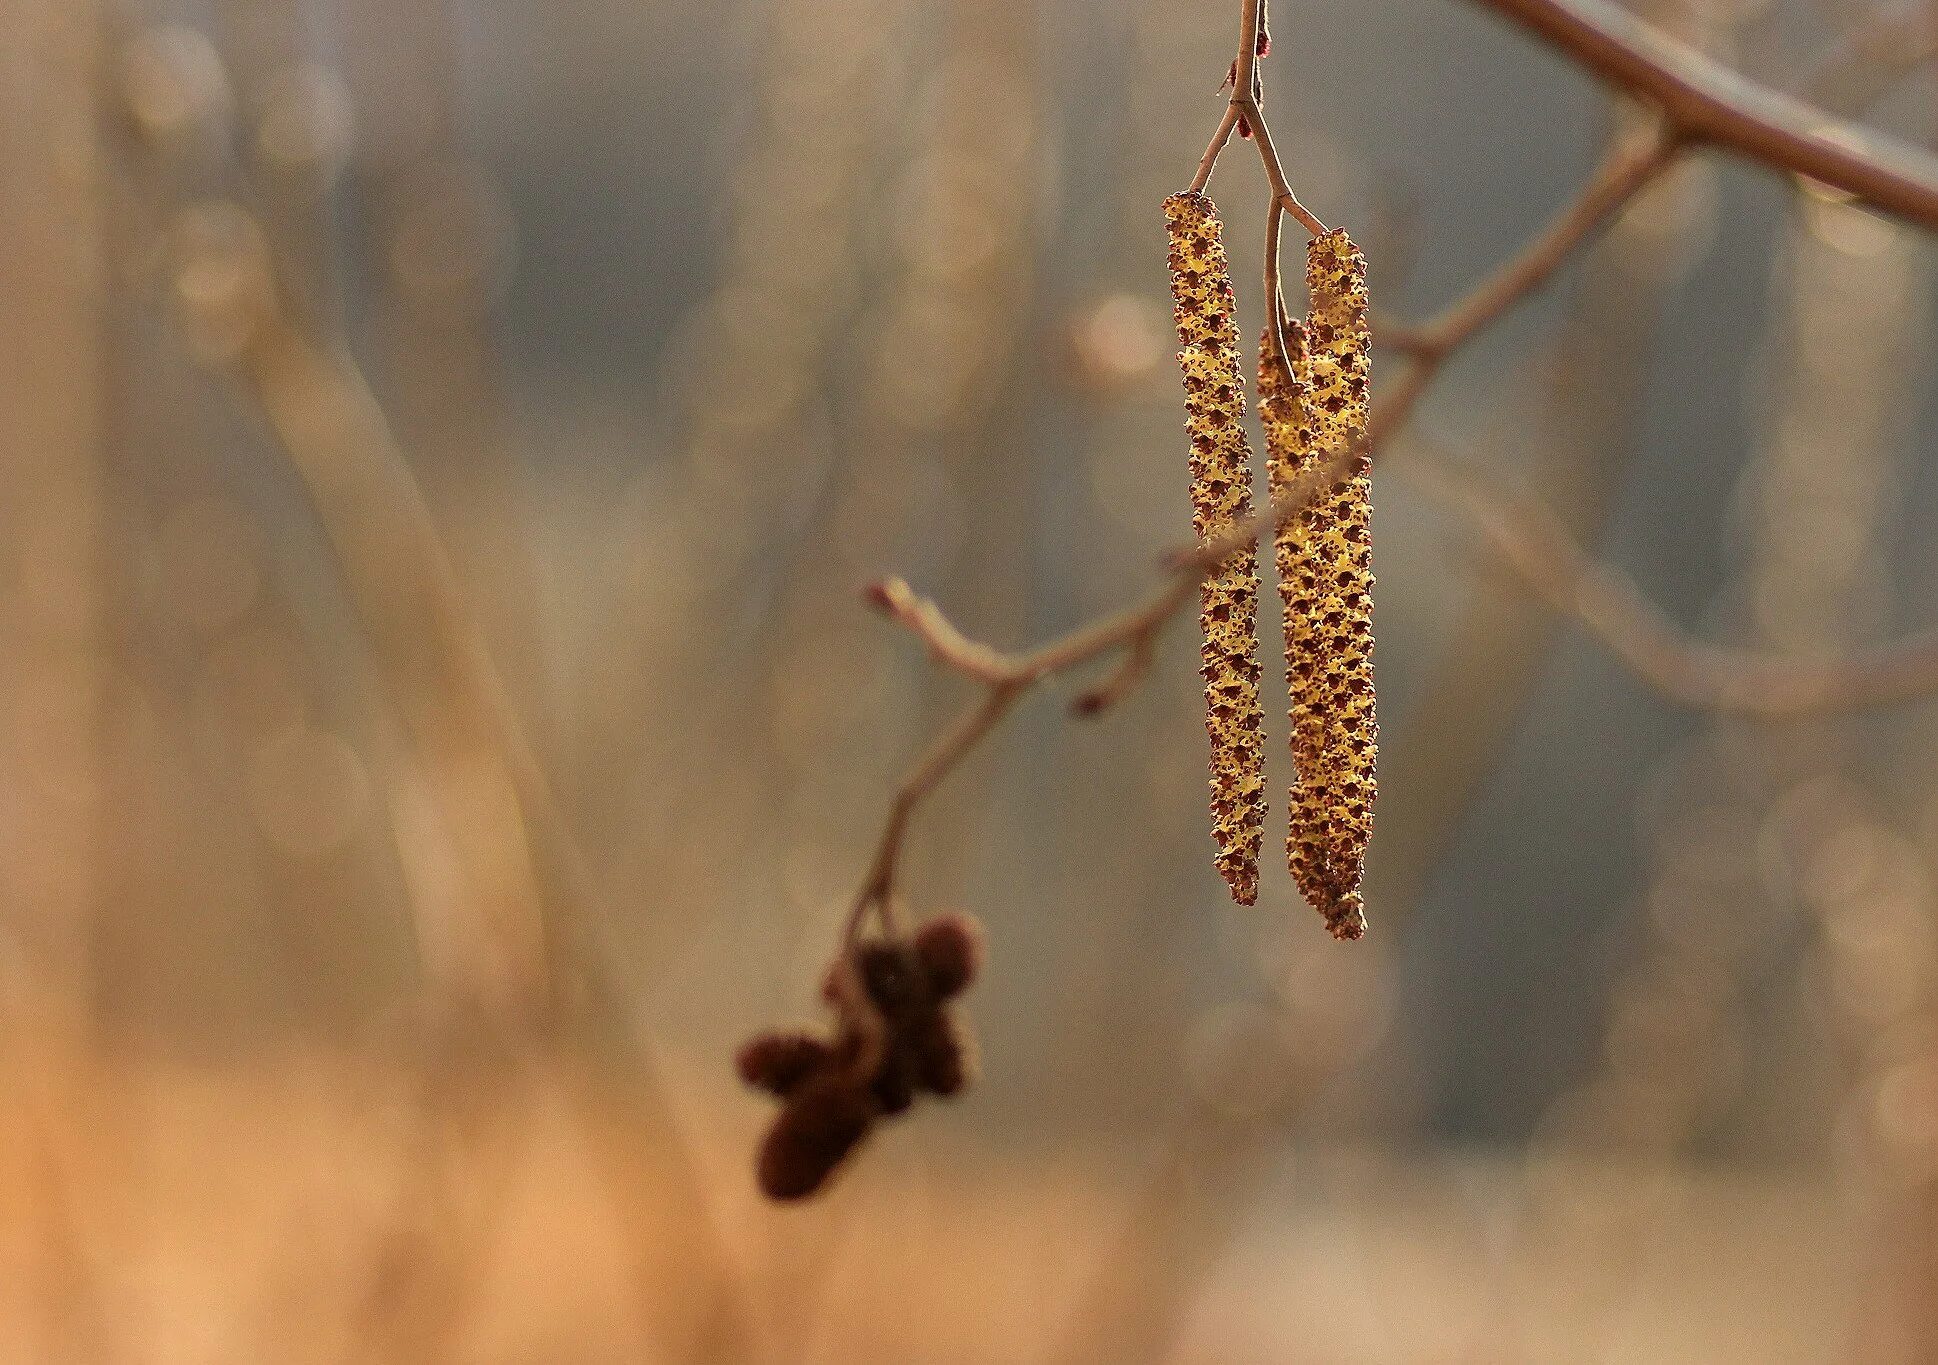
(1244, 108)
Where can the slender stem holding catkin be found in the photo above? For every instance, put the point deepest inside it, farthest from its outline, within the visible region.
(1246, 92)
(1209, 160)
(878, 889)
(1275, 317)
(1246, 88)
(1262, 135)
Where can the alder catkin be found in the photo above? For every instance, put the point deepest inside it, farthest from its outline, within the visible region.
(778, 1062)
(823, 1121)
(1311, 409)
(1221, 497)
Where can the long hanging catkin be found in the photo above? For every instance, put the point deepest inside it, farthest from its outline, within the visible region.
(1221, 496)
(1311, 410)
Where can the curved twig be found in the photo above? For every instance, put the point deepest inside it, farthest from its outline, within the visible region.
(1529, 540)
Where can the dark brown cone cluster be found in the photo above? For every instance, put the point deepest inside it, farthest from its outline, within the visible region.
(895, 1037)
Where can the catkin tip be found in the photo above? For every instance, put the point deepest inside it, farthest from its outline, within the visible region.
(1346, 920)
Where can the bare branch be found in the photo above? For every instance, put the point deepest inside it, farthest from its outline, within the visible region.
(955, 744)
(1629, 167)
(1219, 137)
(947, 645)
(1530, 540)
(1707, 102)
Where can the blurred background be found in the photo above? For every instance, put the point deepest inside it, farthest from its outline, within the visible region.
(443, 445)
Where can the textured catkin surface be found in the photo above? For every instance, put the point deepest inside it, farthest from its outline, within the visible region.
(1221, 496)
(1325, 573)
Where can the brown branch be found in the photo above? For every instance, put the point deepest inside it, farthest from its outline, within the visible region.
(947, 645)
(1531, 541)
(1707, 102)
(1245, 92)
(878, 888)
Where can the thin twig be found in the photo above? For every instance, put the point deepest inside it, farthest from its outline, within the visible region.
(1275, 314)
(1531, 541)
(947, 644)
(1630, 166)
(1219, 137)
(878, 888)
(1244, 98)
(1138, 654)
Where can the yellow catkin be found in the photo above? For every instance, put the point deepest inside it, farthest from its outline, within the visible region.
(1312, 409)
(1221, 496)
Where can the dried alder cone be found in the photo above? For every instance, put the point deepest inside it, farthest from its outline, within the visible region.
(1221, 497)
(895, 1037)
(1312, 407)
